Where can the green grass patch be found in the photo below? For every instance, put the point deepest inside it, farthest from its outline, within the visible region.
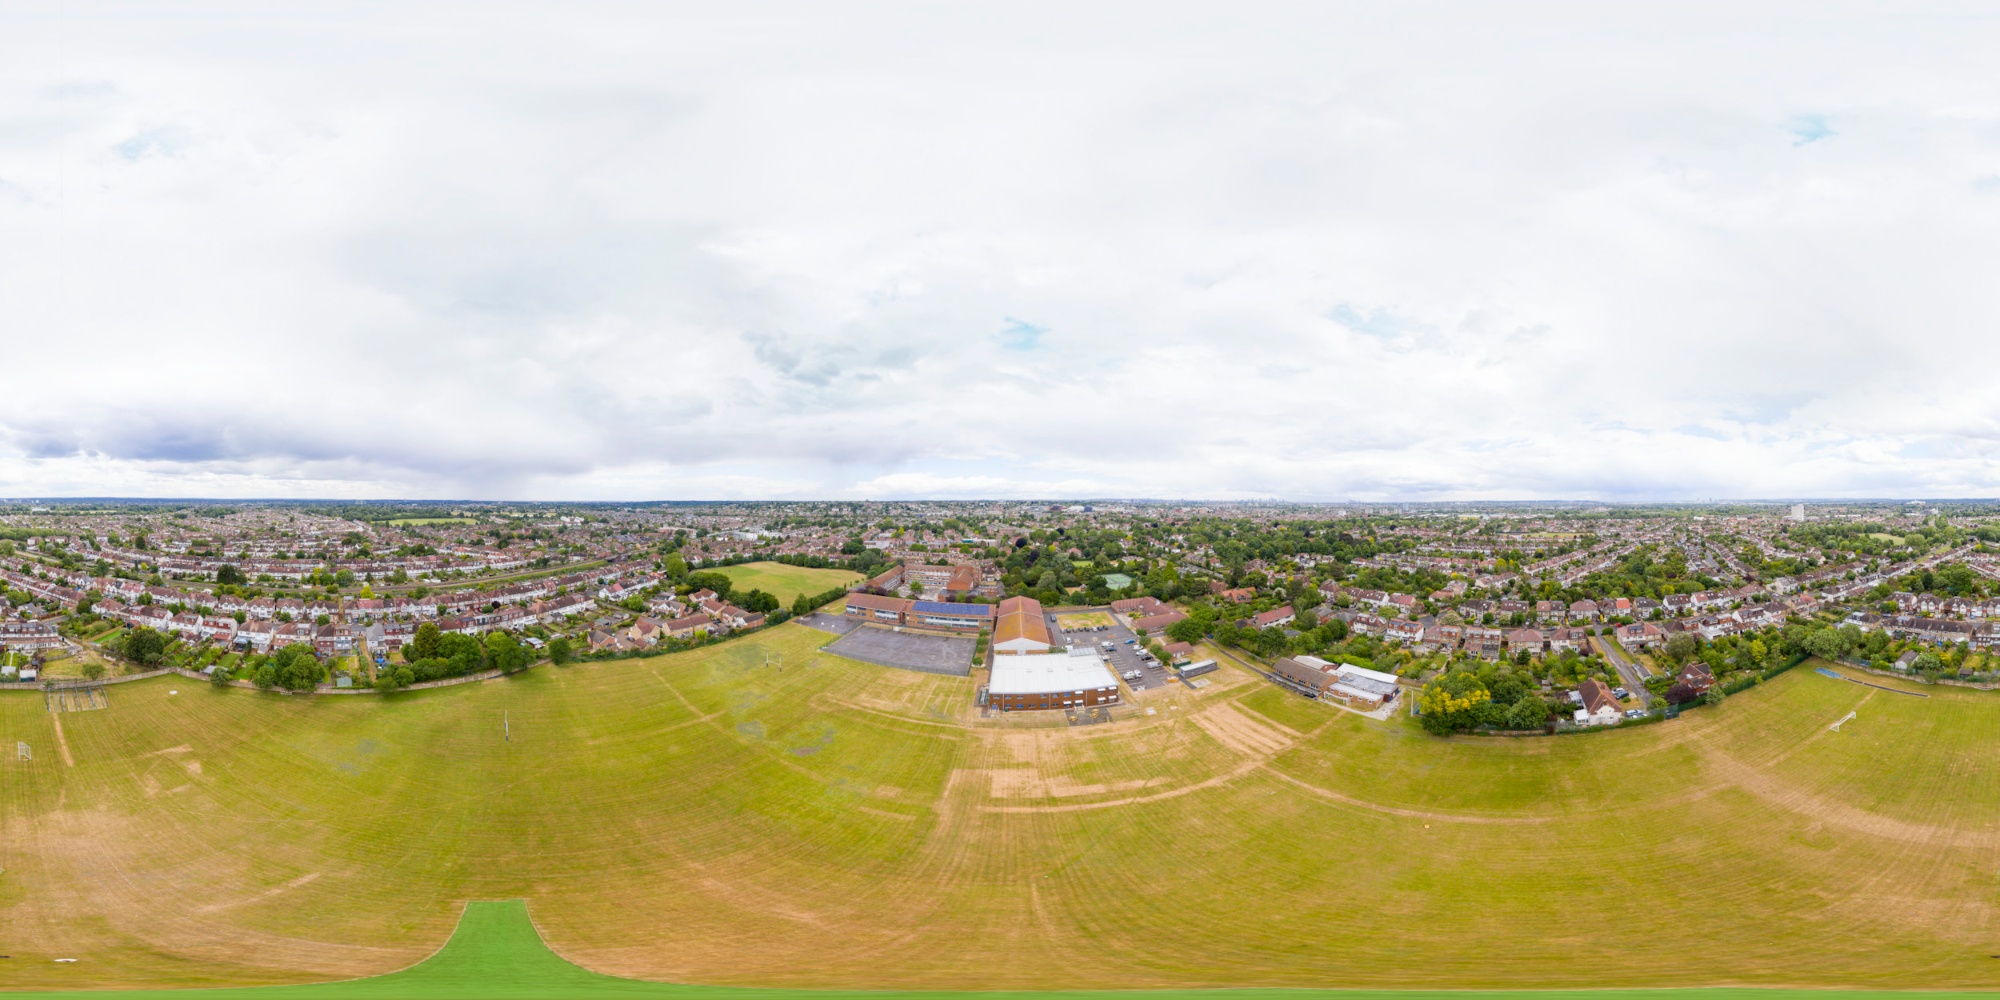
(786, 582)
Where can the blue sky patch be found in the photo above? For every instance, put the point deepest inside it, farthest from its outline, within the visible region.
(1808, 129)
(1020, 335)
(1375, 322)
(164, 141)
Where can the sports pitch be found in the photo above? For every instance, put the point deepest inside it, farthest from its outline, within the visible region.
(703, 818)
(787, 582)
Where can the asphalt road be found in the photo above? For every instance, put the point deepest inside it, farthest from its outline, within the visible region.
(1124, 658)
(1628, 669)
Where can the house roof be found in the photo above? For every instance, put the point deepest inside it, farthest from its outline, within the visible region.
(1596, 695)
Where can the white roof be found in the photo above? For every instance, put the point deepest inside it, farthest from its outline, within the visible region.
(1314, 662)
(1048, 675)
(1373, 675)
(1354, 692)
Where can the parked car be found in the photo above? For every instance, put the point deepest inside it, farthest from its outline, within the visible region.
(1133, 675)
(1128, 642)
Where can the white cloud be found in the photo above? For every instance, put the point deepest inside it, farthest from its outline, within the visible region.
(795, 251)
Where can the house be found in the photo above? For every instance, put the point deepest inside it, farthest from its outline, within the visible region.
(1438, 638)
(1240, 595)
(1404, 630)
(681, 628)
(645, 630)
(1178, 652)
(1374, 597)
(1573, 640)
(1599, 707)
(1584, 609)
(1370, 625)
(1530, 639)
(1275, 618)
(1697, 676)
(1153, 624)
(1642, 635)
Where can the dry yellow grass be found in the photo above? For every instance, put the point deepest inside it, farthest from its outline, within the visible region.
(703, 818)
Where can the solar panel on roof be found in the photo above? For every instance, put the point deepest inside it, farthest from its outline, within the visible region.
(942, 608)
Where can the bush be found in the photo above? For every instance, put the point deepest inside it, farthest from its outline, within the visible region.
(145, 646)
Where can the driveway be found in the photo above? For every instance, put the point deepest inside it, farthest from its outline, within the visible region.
(1628, 669)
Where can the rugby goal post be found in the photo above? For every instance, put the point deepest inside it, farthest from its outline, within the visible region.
(22, 751)
(1836, 726)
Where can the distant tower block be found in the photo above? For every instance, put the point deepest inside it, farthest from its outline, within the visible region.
(1799, 512)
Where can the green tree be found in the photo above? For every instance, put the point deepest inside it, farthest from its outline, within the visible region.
(227, 574)
(504, 652)
(424, 645)
(93, 670)
(559, 650)
(1683, 645)
(1452, 702)
(145, 646)
(1530, 712)
(295, 668)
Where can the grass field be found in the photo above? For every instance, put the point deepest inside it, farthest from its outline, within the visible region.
(787, 582)
(495, 952)
(703, 818)
(1084, 619)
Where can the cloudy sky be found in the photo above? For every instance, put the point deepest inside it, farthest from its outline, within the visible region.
(1319, 251)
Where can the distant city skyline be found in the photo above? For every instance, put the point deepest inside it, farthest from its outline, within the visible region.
(1357, 254)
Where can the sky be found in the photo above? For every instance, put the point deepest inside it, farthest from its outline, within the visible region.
(1317, 251)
